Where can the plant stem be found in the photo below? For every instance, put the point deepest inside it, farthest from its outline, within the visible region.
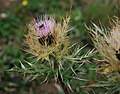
(64, 87)
(66, 91)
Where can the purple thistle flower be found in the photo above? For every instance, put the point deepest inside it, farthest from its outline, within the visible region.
(43, 27)
(47, 36)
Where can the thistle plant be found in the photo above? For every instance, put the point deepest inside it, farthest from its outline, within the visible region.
(107, 43)
(54, 56)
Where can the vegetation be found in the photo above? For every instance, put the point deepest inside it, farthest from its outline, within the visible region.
(15, 14)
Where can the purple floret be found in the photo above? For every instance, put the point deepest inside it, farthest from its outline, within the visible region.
(43, 27)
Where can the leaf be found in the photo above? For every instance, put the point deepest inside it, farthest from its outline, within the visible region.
(22, 66)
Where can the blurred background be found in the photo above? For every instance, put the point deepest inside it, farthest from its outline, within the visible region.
(14, 14)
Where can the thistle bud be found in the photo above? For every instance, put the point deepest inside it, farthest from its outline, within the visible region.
(107, 42)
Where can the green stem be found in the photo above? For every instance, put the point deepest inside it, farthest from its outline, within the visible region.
(64, 87)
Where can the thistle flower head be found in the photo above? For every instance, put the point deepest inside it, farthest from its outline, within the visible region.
(46, 36)
(107, 42)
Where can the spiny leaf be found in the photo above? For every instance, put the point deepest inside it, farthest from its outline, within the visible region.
(29, 63)
(22, 66)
